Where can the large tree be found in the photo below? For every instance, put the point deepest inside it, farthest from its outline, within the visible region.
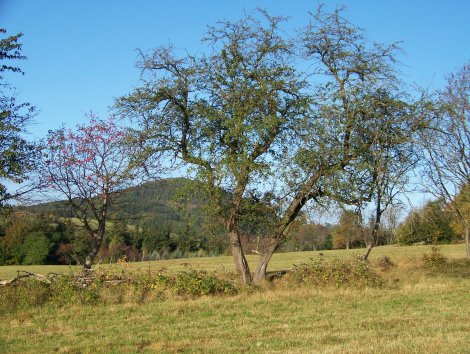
(446, 150)
(225, 114)
(252, 123)
(333, 158)
(90, 166)
(17, 155)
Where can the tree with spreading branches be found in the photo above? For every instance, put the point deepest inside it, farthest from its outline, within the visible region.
(252, 124)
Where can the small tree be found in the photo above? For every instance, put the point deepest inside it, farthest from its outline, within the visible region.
(90, 166)
(350, 231)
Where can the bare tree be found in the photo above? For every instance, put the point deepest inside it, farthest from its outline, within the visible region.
(446, 150)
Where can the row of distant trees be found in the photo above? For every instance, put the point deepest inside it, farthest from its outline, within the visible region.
(37, 238)
(318, 119)
(28, 237)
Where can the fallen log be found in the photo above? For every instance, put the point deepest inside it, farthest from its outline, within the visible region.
(22, 274)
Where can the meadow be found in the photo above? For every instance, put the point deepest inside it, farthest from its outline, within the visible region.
(422, 307)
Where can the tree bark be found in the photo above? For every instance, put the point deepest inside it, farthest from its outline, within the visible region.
(367, 252)
(241, 264)
(265, 257)
(371, 242)
(97, 241)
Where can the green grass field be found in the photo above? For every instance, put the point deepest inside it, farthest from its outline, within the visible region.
(280, 261)
(419, 310)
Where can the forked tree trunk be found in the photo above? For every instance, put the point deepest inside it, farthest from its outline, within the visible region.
(276, 237)
(243, 269)
(375, 230)
(265, 257)
(97, 241)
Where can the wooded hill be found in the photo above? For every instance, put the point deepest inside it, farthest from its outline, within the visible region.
(152, 203)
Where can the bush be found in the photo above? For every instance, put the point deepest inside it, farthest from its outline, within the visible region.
(434, 258)
(103, 287)
(195, 282)
(66, 290)
(24, 294)
(351, 272)
(2, 256)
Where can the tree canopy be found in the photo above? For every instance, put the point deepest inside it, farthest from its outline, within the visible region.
(249, 120)
(17, 155)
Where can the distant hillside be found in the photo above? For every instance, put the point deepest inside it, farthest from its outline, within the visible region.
(150, 203)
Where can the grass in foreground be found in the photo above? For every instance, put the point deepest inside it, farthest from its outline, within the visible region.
(422, 308)
(420, 318)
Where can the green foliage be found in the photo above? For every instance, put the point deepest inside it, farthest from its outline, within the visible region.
(80, 242)
(2, 256)
(308, 237)
(349, 232)
(462, 204)
(32, 238)
(429, 224)
(17, 155)
(35, 248)
(24, 295)
(338, 272)
(105, 287)
(199, 283)
(66, 290)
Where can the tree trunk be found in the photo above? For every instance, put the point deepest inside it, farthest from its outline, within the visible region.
(265, 257)
(243, 269)
(375, 230)
(97, 241)
(372, 241)
(367, 252)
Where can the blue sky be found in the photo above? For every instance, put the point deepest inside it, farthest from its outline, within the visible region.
(82, 54)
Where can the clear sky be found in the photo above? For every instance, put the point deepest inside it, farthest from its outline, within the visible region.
(82, 54)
